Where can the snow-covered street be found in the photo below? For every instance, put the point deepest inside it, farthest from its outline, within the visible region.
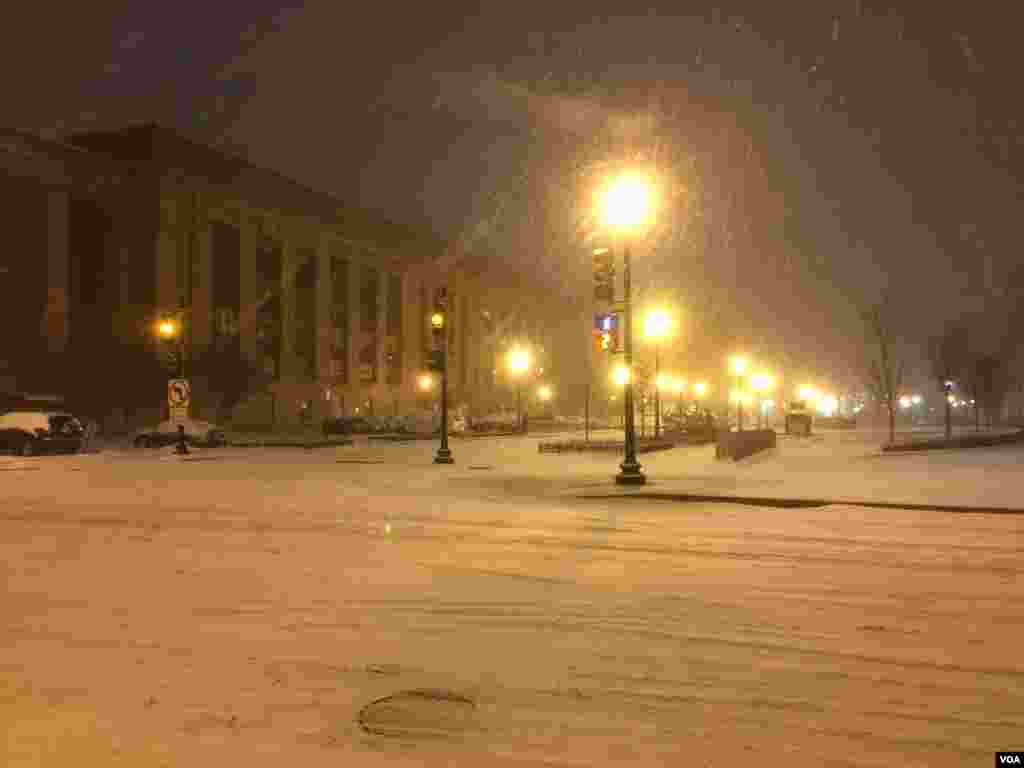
(252, 605)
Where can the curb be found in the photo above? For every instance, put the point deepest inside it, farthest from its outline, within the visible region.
(801, 503)
(285, 444)
(600, 446)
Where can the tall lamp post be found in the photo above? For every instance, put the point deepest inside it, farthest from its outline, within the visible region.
(738, 364)
(656, 328)
(761, 383)
(627, 204)
(171, 328)
(519, 363)
(679, 387)
(439, 328)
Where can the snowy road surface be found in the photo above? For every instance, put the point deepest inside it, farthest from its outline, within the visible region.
(253, 606)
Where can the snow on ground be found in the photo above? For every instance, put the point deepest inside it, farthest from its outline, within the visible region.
(245, 607)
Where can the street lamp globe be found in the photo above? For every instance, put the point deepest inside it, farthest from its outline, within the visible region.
(519, 360)
(657, 324)
(426, 382)
(738, 364)
(544, 393)
(167, 328)
(621, 375)
(700, 388)
(627, 202)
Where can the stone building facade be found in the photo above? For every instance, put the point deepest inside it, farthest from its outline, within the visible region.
(331, 305)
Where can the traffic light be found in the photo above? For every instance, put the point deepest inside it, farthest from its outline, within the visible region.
(604, 275)
(606, 332)
(435, 360)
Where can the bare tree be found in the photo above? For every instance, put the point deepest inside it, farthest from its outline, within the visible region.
(993, 382)
(949, 355)
(884, 362)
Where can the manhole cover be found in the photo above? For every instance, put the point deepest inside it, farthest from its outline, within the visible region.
(422, 713)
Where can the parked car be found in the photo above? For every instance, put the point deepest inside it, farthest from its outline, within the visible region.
(30, 432)
(197, 432)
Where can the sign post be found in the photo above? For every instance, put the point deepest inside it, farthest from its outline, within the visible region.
(179, 395)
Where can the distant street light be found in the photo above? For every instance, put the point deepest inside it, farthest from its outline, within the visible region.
(439, 330)
(657, 325)
(519, 364)
(167, 328)
(621, 375)
(905, 402)
(426, 382)
(544, 393)
(738, 365)
(761, 382)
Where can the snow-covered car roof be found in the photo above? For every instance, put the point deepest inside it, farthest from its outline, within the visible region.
(29, 420)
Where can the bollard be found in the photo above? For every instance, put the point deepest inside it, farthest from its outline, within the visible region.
(182, 446)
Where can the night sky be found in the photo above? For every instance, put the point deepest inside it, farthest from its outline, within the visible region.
(859, 145)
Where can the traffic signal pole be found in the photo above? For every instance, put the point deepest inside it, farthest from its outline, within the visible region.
(630, 473)
(444, 454)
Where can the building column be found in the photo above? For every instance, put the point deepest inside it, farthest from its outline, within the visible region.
(354, 387)
(201, 281)
(289, 268)
(57, 270)
(384, 399)
(412, 318)
(326, 405)
(169, 287)
(249, 241)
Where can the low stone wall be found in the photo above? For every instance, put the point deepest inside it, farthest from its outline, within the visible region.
(617, 446)
(958, 441)
(740, 445)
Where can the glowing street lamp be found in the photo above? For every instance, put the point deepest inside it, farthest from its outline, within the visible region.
(679, 387)
(426, 382)
(761, 382)
(700, 389)
(519, 364)
(627, 204)
(905, 402)
(621, 375)
(738, 366)
(544, 393)
(657, 325)
(167, 329)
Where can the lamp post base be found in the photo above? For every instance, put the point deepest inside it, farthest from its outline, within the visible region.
(443, 456)
(630, 474)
